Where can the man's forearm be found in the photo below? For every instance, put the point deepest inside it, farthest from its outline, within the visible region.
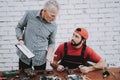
(100, 65)
(50, 50)
(50, 54)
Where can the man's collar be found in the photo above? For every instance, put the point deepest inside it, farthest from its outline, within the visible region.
(38, 15)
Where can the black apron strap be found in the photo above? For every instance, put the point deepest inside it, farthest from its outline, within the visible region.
(82, 53)
(65, 48)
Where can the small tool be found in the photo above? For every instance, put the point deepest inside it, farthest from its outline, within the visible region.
(105, 74)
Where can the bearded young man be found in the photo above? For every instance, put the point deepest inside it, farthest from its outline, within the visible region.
(76, 53)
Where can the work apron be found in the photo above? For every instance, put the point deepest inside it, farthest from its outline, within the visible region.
(72, 61)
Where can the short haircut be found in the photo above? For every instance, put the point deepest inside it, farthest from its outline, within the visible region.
(51, 3)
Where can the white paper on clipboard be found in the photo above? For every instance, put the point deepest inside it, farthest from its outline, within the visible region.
(25, 50)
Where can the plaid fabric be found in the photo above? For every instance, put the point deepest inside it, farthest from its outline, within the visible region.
(38, 35)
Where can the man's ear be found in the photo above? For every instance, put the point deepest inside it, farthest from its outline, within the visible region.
(43, 13)
(83, 40)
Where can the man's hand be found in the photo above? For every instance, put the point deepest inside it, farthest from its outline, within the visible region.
(60, 68)
(20, 42)
(84, 77)
(54, 64)
(85, 69)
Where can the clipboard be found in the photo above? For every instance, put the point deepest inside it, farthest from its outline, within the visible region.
(25, 50)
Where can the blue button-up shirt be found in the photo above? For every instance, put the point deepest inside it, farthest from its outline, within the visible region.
(38, 35)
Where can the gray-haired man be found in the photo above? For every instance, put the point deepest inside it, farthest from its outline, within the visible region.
(37, 31)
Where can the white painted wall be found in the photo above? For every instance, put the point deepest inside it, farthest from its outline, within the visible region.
(100, 17)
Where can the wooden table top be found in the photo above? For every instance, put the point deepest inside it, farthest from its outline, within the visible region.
(97, 75)
(94, 75)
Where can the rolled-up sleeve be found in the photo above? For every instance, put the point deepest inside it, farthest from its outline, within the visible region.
(21, 25)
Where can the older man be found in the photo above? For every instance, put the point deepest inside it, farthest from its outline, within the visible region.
(37, 31)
